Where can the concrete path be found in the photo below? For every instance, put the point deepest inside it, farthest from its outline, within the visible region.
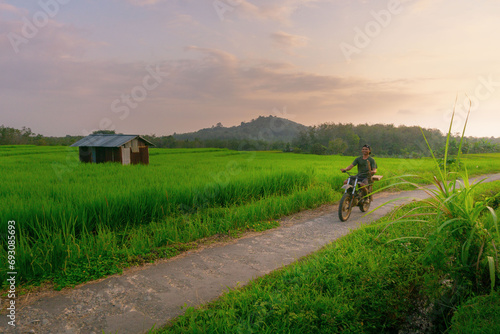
(152, 295)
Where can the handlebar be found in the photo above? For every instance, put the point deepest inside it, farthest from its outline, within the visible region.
(345, 171)
(352, 175)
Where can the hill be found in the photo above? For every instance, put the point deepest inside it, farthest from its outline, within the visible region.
(270, 129)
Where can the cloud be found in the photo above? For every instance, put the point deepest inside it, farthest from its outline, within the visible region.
(247, 8)
(418, 6)
(207, 84)
(279, 11)
(22, 39)
(407, 112)
(183, 20)
(287, 41)
(221, 75)
(142, 3)
(215, 55)
(214, 76)
(5, 7)
(43, 60)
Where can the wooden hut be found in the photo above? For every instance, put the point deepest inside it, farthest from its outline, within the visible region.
(125, 149)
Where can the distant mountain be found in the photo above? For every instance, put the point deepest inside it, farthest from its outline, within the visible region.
(270, 128)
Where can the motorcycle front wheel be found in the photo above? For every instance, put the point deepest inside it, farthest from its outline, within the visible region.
(345, 207)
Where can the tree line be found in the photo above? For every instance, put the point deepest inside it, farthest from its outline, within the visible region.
(24, 136)
(232, 144)
(385, 140)
(327, 138)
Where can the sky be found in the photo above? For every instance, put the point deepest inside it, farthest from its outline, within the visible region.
(70, 67)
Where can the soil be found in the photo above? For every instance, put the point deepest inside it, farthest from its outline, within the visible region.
(153, 294)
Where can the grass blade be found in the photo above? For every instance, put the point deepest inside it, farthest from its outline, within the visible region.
(491, 265)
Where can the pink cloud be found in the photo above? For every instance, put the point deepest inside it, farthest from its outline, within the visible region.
(143, 3)
(288, 41)
(5, 7)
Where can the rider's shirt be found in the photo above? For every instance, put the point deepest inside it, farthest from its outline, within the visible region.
(363, 170)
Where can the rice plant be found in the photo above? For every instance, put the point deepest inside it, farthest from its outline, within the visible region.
(76, 212)
(70, 214)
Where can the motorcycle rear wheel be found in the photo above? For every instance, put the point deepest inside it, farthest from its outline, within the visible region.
(345, 207)
(365, 205)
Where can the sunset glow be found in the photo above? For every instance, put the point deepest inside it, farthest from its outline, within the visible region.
(165, 66)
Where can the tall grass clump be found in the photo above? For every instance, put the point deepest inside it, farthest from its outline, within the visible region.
(462, 244)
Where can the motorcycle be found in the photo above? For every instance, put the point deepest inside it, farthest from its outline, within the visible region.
(353, 196)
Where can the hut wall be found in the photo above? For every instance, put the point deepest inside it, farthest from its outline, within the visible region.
(125, 153)
(85, 154)
(139, 155)
(119, 155)
(113, 154)
(100, 154)
(144, 151)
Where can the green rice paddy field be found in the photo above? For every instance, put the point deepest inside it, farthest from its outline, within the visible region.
(76, 222)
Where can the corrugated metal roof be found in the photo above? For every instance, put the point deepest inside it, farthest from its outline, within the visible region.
(105, 140)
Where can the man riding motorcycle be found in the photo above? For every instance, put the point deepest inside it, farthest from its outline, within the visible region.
(366, 168)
